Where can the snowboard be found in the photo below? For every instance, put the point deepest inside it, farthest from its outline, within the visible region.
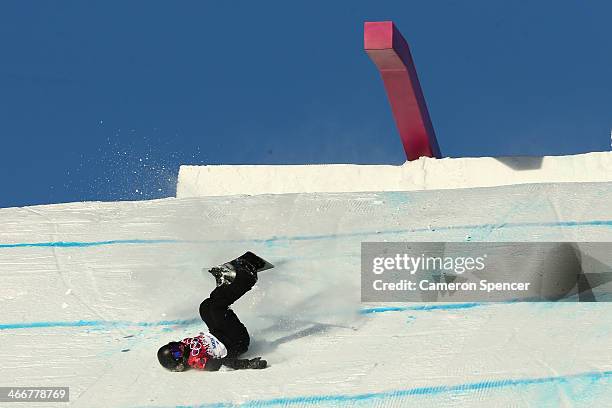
(249, 262)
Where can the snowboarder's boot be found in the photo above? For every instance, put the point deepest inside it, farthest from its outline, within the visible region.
(223, 275)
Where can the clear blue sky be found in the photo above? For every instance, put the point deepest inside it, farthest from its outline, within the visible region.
(103, 100)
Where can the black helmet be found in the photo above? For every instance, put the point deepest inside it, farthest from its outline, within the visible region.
(171, 356)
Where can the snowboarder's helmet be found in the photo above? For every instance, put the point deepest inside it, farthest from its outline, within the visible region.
(171, 356)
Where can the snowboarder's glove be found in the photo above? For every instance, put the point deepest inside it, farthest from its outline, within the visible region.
(257, 363)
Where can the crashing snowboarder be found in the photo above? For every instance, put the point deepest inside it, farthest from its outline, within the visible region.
(228, 337)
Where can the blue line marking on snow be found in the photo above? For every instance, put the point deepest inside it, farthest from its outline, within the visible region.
(109, 324)
(465, 305)
(450, 306)
(122, 323)
(563, 224)
(271, 241)
(593, 377)
(98, 323)
(78, 244)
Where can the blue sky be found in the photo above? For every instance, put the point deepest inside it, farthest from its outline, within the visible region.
(104, 100)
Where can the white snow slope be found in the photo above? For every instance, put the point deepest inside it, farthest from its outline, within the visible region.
(89, 291)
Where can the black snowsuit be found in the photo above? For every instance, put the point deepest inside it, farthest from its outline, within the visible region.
(223, 323)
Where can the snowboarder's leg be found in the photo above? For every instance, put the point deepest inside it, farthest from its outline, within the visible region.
(225, 325)
(222, 322)
(228, 294)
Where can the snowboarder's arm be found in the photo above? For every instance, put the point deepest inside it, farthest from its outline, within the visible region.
(241, 364)
(213, 364)
(198, 361)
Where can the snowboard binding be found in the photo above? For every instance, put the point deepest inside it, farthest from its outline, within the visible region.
(222, 274)
(249, 262)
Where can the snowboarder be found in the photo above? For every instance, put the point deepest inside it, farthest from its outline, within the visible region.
(228, 337)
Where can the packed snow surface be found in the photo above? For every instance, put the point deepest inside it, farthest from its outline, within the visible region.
(91, 290)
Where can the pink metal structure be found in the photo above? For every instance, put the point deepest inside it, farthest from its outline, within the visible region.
(391, 54)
